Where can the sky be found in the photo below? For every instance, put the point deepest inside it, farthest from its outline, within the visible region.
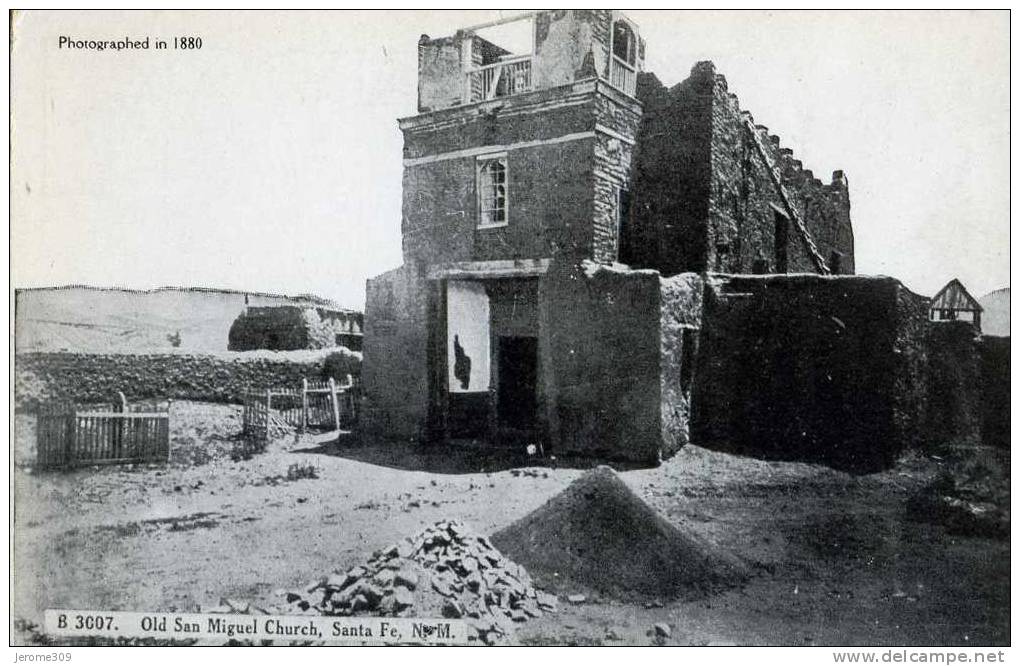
(270, 159)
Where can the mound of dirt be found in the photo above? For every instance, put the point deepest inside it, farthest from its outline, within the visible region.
(446, 571)
(598, 535)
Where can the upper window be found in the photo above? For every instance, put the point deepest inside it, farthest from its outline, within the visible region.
(492, 182)
(624, 42)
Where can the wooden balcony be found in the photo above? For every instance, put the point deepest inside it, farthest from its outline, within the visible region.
(622, 76)
(509, 76)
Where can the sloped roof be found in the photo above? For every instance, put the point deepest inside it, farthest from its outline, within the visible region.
(954, 296)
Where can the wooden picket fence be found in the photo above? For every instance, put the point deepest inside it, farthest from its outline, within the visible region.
(69, 435)
(314, 405)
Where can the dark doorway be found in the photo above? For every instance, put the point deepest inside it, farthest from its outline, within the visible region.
(782, 239)
(835, 263)
(518, 375)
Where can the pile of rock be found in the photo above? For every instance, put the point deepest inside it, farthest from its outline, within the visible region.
(446, 571)
(598, 535)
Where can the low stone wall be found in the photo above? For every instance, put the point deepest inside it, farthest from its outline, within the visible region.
(44, 376)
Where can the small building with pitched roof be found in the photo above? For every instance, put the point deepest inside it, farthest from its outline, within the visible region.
(954, 303)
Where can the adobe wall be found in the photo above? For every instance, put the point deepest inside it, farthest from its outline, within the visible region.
(563, 41)
(808, 368)
(440, 78)
(994, 359)
(910, 369)
(680, 315)
(551, 207)
(395, 370)
(222, 377)
(671, 177)
(284, 328)
(570, 45)
(549, 186)
(276, 328)
(953, 415)
(602, 354)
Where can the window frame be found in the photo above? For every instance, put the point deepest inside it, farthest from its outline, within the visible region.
(631, 47)
(480, 163)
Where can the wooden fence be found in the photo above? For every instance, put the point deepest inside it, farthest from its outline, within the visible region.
(70, 435)
(314, 405)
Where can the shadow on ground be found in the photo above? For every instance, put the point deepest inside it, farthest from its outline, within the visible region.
(445, 458)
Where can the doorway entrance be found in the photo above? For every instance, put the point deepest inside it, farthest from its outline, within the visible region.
(518, 381)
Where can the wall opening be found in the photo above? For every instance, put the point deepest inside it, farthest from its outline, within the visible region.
(624, 241)
(504, 40)
(624, 42)
(468, 369)
(722, 255)
(835, 262)
(781, 242)
(518, 381)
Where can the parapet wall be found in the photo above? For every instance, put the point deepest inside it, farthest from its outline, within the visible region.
(706, 198)
(744, 198)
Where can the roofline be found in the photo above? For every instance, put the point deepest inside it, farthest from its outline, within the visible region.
(977, 306)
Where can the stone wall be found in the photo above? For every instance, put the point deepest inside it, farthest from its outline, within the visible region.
(704, 198)
(744, 199)
(44, 376)
(808, 368)
(612, 172)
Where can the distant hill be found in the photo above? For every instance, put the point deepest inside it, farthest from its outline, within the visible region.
(995, 318)
(89, 319)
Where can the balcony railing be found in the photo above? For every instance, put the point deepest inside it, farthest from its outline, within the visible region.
(623, 76)
(507, 77)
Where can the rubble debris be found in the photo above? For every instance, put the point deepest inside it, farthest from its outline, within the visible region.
(446, 571)
(597, 535)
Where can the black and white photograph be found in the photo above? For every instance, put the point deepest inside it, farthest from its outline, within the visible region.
(511, 328)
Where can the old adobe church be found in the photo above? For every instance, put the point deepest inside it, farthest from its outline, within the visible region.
(587, 252)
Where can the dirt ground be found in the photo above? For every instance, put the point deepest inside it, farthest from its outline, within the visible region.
(835, 560)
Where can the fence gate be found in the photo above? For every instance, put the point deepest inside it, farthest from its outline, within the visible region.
(314, 405)
(73, 436)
